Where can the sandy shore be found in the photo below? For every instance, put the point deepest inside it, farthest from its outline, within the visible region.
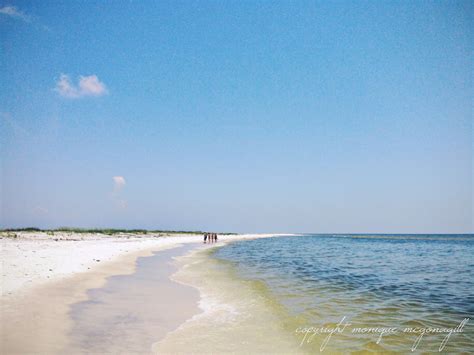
(43, 275)
(131, 312)
(35, 258)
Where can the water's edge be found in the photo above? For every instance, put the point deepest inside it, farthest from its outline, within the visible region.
(130, 312)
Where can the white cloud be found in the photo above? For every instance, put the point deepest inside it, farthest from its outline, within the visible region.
(119, 183)
(13, 11)
(91, 85)
(87, 86)
(65, 88)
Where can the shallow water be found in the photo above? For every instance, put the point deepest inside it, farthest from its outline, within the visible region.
(378, 281)
(237, 316)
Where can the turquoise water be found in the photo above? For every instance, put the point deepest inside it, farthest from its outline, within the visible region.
(398, 281)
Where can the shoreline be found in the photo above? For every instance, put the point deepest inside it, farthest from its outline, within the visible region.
(243, 322)
(39, 306)
(131, 312)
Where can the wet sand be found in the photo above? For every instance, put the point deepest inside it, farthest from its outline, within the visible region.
(131, 312)
(39, 320)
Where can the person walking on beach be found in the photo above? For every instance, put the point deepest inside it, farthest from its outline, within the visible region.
(205, 237)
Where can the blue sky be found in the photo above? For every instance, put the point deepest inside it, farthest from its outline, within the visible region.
(237, 116)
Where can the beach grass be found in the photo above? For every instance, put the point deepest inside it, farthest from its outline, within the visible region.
(106, 231)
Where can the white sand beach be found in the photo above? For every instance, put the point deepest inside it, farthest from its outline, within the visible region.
(34, 258)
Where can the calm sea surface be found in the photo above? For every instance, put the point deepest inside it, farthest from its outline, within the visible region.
(412, 282)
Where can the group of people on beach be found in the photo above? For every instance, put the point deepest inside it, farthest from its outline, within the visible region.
(211, 237)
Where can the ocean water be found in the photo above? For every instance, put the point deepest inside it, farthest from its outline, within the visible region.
(387, 293)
